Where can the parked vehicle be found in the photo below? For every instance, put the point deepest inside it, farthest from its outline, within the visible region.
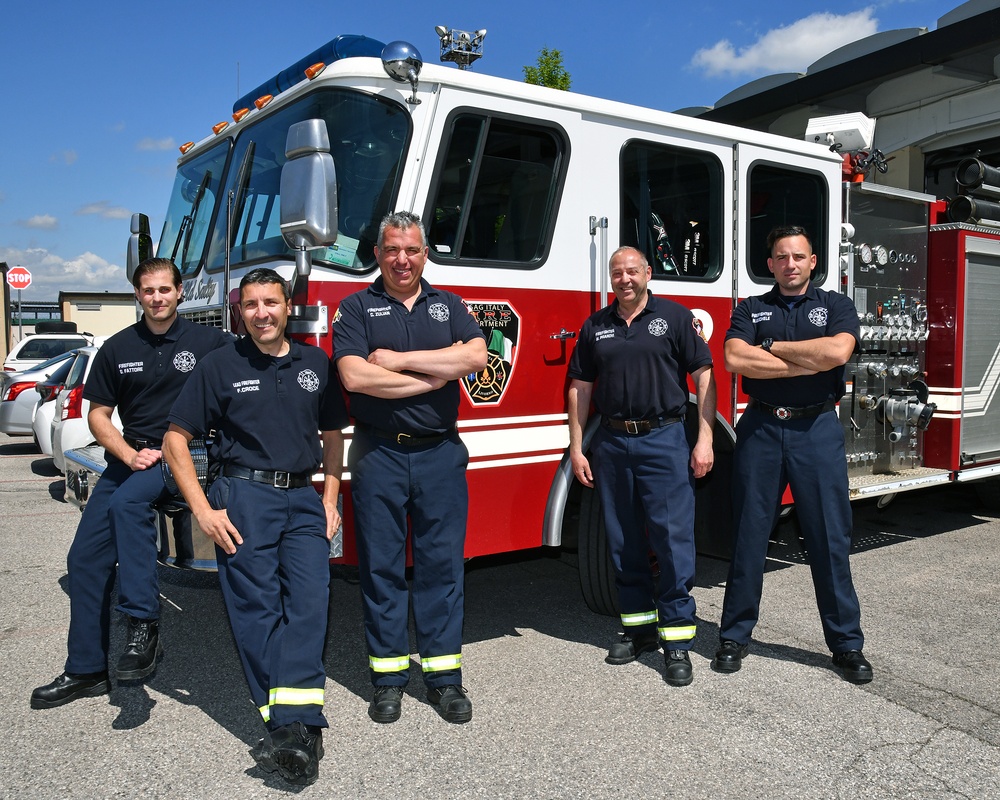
(70, 428)
(35, 349)
(18, 397)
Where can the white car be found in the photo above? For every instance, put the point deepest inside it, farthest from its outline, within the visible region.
(18, 397)
(41, 424)
(39, 347)
(69, 423)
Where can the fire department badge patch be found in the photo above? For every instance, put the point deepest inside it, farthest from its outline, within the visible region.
(184, 361)
(818, 316)
(439, 312)
(658, 326)
(308, 380)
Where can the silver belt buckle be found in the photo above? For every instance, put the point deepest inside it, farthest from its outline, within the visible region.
(282, 480)
(783, 413)
(632, 426)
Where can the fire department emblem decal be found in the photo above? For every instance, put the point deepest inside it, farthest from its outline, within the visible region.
(308, 380)
(439, 312)
(658, 326)
(818, 317)
(184, 361)
(502, 326)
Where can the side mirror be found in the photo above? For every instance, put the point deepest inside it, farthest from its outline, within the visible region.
(308, 192)
(140, 244)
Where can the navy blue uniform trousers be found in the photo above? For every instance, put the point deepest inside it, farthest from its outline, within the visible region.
(647, 494)
(390, 482)
(277, 592)
(118, 527)
(808, 455)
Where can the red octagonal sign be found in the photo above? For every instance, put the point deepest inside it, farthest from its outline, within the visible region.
(19, 277)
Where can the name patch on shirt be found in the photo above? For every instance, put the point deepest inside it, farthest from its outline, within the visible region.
(129, 366)
(761, 316)
(381, 311)
(247, 386)
(607, 333)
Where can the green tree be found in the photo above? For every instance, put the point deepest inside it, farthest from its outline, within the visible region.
(549, 71)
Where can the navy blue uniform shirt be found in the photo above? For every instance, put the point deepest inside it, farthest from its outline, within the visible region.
(372, 319)
(820, 314)
(267, 411)
(141, 373)
(640, 370)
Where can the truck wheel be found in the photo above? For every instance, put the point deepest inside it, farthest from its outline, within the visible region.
(597, 576)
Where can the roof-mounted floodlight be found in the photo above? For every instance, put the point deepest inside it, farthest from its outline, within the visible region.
(462, 47)
(842, 133)
(402, 62)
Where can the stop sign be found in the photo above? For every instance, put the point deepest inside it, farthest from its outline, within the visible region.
(19, 277)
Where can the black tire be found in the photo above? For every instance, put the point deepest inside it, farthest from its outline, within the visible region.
(988, 490)
(597, 576)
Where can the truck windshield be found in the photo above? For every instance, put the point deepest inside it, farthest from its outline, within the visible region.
(368, 137)
(192, 203)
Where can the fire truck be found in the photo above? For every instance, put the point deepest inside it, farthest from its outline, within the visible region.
(524, 192)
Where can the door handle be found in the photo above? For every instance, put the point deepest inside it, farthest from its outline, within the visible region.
(563, 334)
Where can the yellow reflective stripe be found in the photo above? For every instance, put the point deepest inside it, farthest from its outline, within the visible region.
(680, 634)
(439, 663)
(642, 618)
(394, 664)
(284, 696)
(265, 712)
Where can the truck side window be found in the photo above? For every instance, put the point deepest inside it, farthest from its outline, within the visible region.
(672, 209)
(783, 196)
(496, 191)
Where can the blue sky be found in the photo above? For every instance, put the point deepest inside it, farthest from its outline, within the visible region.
(97, 97)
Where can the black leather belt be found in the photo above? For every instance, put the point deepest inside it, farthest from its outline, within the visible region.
(639, 426)
(141, 444)
(279, 480)
(792, 412)
(405, 438)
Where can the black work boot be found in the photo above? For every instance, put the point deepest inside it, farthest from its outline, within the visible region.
(142, 648)
(69, 687)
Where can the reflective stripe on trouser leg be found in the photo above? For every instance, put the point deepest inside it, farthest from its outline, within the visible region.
(638, 620)
(679, 633)
(292, 697)
(391, 664)
(441, 663)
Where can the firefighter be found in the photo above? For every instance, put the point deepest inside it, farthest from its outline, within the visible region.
(633, 359)
(139, 371)
(401, 345)
(790, 345)
(266, 396)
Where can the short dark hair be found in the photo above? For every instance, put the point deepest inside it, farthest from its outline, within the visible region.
(265, 275)
(401, 220)
(151, 265)
(784, 231)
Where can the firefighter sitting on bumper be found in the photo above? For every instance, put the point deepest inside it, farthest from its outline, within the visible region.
(266, 396)
(632, 359)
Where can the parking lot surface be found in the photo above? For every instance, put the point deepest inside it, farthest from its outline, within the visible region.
(551, 719)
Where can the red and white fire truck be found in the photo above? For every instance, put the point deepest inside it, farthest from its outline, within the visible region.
(524, 192)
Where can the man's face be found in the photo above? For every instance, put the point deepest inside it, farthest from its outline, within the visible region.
(265, 312)
(158, 296)
(629, 277)
(792, 262)
(401, 259)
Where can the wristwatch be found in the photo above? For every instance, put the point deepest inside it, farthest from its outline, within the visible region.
(766, 344)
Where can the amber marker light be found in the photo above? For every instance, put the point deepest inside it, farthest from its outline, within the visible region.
(263, 100)
(315, 69)
(238, 115)
(185, 147)
(219, 127)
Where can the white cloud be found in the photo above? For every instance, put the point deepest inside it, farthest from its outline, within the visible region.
(66, 156)
(44, 222)
(149, 143)
(102, 209)
(788, 49)
(51, 273)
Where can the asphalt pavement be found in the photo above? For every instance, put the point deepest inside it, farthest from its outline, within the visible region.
(551, 719)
